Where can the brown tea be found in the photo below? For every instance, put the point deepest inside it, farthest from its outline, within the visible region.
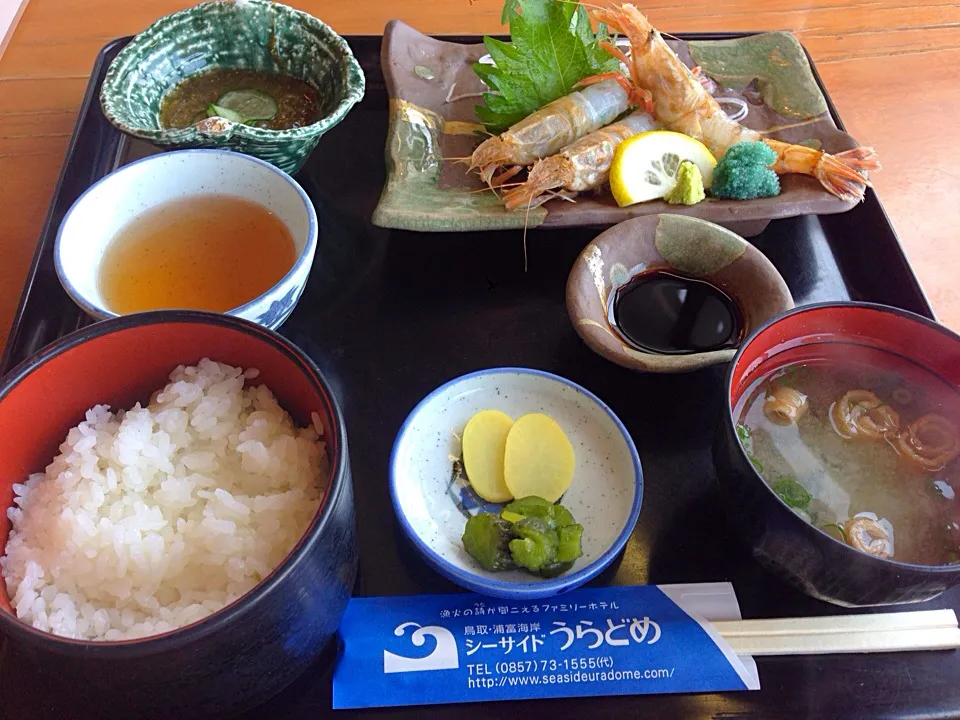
(210, 252)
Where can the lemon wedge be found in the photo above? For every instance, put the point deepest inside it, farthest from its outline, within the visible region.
(645, 166)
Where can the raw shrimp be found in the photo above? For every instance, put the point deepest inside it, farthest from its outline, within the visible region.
(583, 165)
(682, 104)
(552, 127)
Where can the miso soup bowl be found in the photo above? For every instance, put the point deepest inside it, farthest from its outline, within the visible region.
(817, 563)
(94, 220)
(251, 649)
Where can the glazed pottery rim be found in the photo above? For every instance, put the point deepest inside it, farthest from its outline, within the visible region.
(730, 418)
(221, 619)
(501, 588)
(354, 83)
(642, 360)
(103, 312)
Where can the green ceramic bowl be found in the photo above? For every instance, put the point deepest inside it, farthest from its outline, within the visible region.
(250, 34)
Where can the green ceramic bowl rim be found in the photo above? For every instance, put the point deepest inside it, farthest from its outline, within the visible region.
(128, 58)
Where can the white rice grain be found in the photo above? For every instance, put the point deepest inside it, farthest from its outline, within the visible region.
(153, 518)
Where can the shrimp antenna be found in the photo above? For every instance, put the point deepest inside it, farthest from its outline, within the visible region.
(526, 220)
(589, 6)
(790, 126)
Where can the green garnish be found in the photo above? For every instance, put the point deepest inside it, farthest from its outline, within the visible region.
(225, 113)
(552, 47)
(793, 374)
(746, 440)
(744, 173)
(791, 492)
(530, 533)
(689, 187)
(834, 530)
(249, 104)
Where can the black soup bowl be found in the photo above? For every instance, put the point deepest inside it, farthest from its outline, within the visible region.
(252, 648)
(809, 558)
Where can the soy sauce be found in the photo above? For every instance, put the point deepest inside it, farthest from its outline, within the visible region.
(670, 314)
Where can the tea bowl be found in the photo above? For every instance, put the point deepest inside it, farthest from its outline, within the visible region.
(94, 220)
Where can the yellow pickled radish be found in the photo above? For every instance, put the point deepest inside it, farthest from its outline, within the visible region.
(645, 166)
(484, 443)
(539, 460)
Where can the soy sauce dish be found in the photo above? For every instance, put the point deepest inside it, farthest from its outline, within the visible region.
(671, 293)
(435, 496)
(190, 229)
(223, 607)
(838, 452)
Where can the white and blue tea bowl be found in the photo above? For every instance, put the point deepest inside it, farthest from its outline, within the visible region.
(117, 199)
(432, 505)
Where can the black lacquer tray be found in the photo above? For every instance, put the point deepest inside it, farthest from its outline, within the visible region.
(391, 315)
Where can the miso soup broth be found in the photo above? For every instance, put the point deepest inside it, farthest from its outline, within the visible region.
(863, 444)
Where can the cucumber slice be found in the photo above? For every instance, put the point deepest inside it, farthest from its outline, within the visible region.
(225, 113)
(249, 104)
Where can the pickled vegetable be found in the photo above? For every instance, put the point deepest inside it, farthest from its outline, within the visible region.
(538, 458)
(531, 534)
(487, 538)
(533, 506)
(568, 547)
(484, 444)
(536, 545)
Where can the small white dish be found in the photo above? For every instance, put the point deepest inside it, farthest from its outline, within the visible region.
(107, 206)
(604, 497)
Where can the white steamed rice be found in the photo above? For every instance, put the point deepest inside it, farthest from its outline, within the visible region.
(153, 518)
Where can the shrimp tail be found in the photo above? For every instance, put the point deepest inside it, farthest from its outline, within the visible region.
(861, 158)
(843, 174)
(548, 174)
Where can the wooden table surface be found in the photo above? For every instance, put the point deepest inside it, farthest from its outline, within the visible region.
(891, 66)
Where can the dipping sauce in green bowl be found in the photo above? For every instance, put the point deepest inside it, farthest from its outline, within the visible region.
(255, 77)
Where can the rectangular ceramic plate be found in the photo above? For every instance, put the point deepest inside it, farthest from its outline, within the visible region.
(390, 315)
(425, 190)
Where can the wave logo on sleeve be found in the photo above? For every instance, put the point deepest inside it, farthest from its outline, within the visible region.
(443, 657)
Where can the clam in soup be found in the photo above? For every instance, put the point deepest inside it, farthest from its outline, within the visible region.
(863, 444)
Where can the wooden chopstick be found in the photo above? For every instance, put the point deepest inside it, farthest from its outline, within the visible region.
(880, 632)
(855, 642)
(916, 620)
